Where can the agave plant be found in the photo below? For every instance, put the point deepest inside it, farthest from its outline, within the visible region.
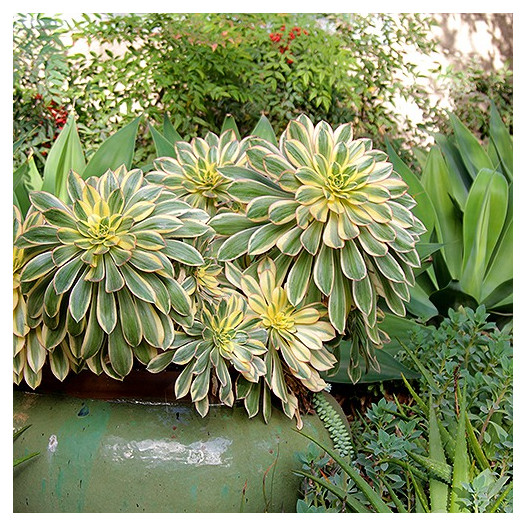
(104, 281)
(334, 206)
(465, 198)
(223, 337)
(195, 173)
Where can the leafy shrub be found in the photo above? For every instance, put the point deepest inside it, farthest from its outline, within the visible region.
(456, 449)
(200, 67)
(472, 89)
(41, 71)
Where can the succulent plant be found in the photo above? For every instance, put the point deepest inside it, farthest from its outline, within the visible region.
(336, 208)
(195, 175)
(29, 355)
(105, 276)
(296, 351)
(222, 338)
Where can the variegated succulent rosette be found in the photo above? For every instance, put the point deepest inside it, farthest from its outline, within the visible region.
(199, 172)
(29, 355)
(104, 282)
(336, 209)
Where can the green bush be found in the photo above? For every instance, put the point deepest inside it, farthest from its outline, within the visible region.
(468, 371)
(200, 67)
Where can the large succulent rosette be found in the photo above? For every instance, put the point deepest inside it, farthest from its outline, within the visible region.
(336, 208)
(105, 278)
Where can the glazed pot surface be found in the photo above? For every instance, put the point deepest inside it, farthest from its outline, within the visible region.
(137, 456)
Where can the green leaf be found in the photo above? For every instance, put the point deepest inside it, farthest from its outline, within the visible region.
(299, 278)
(129, 318)
(228, 224)
(372, 496)
(37, 267)
(137, 285)
(163, 147)
(448, 225)
(424, 209)
(501, 268)
(461, 464)
(265, 131)
(119, 352)
(420, 305)
(106, 309)
(483, 221)
(324, 270)
(66, 154)
(502, 141)
(169, 130)
(230, 124)
(67, 274)
(473, 154)
(80, 298)
(338, 301)
(117, 150)
(459, 179)
(152, 326)
(236, 245)
(438, 491)
(183, 252)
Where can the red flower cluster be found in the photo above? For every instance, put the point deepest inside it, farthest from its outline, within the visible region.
(52, 112)
(292, 34)
(59, 114)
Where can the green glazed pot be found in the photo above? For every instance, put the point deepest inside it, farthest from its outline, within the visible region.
(153, 456)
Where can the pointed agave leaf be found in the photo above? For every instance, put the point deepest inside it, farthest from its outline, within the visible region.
(230, 124)
(461, 462)
(114, 152)
(502, 141)
(265, 131)
(448, 225)
(483, 221)
(438, 491)
(473, 154)
(501, 268)
(163, 146)
(424, 209)
(65, 155)
(169, 130)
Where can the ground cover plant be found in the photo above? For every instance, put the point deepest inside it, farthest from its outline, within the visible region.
(447, 450)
